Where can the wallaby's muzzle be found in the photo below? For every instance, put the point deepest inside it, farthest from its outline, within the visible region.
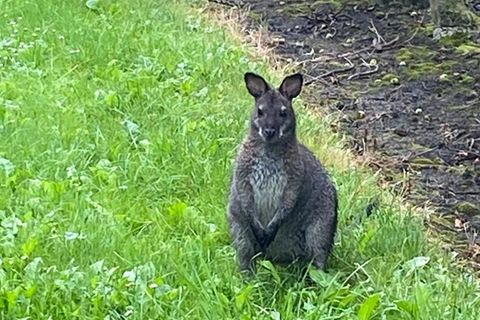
(269, 133)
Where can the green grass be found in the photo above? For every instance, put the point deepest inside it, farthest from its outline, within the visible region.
(118, 128)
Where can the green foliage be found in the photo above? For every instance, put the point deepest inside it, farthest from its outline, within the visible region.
(119, 125)
(368, 307)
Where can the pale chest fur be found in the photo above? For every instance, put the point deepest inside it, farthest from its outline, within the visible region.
(268, 180)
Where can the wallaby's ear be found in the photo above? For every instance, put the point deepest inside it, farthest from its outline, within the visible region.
(291, 86)
(256, 85)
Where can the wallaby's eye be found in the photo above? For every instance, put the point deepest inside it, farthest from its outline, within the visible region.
(283, 113)
(260, 112)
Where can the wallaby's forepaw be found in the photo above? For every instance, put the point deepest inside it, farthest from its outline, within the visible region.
(247, 273)
(247, 268)
(270, 234)
(320, 265)
(264, 238)
(260, 236)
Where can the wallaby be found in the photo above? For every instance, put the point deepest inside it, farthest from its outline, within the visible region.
(282, 205)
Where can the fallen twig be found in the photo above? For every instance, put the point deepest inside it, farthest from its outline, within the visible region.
(348, 54)
(374, 29)
(463, 192)
(388, 45)
(363, 73)
(378, 45)
(331, 35)
(230, 3)
(414, 33)
(413, 156)
(314, 60)
(329, 73)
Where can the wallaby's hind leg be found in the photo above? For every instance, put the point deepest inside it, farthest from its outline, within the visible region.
(245, 243)
(319, 237)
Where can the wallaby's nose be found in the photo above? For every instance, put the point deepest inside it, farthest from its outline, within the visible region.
(269, 133)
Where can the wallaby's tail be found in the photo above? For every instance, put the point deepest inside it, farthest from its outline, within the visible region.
(372, 205)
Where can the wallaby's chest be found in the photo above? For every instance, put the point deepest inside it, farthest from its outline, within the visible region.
(268, 180)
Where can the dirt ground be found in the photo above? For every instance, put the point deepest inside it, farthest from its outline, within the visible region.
(408, 103)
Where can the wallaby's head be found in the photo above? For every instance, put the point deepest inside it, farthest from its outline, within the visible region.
(273, 119)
